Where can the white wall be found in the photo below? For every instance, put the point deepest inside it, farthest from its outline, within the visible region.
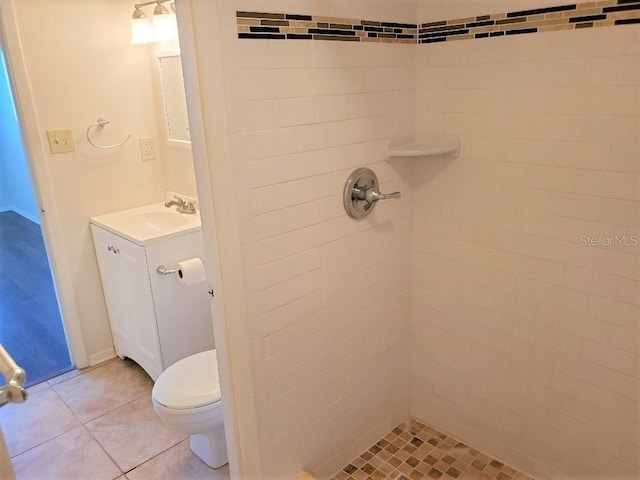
(80, 67)
(525, 341)
(327, 297)
(16, 190)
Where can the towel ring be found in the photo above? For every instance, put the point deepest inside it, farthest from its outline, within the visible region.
(101, 122)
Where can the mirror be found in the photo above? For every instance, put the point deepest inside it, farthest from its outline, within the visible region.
(173, 97)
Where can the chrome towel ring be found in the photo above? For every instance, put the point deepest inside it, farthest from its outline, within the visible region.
(101, 122)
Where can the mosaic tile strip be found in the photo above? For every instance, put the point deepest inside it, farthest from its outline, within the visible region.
(285, 26)
(415, 451)
(602, 13)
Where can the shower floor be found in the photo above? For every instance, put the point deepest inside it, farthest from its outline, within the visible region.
(415, 451)
(30, 324)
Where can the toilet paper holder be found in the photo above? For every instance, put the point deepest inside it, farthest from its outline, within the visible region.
(162, 270)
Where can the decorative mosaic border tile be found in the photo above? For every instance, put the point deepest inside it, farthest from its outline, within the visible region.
(415, 451)
(602, 13)
(286, 26)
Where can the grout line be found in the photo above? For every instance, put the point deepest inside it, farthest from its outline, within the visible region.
(76, 427)
(105, 451)
(157, 455)
(56, 436)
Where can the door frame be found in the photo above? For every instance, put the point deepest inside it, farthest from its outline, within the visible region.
(35, 152)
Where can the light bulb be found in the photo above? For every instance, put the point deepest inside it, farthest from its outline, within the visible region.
(165, 27)
(141, 28)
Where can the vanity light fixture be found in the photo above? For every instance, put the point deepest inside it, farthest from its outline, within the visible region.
(162, 29)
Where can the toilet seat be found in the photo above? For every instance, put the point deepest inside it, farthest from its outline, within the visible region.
(189, 383)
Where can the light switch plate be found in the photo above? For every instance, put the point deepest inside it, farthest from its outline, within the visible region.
(60, 141)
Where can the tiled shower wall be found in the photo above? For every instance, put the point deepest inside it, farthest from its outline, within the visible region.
(328, 297)
(526, 300)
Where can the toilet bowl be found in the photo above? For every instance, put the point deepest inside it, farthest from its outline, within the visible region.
(186, 396)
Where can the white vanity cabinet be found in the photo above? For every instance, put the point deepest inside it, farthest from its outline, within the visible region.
(155, 319)
(125, 282)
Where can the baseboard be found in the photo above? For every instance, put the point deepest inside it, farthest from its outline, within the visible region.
(34, 219)
(21, 212)
(103, 356)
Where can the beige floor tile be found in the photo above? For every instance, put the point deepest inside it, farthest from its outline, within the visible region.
(65, 376)
(177, 463)
(72, 456)
(42, 417)
(133, 433)
(105, 388)
(38, 387)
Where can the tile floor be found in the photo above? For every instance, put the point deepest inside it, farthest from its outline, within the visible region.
(97, 423)
(415, 451)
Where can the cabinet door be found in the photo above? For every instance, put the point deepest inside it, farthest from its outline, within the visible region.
(110, 271)
(125, 282)
(183, 312)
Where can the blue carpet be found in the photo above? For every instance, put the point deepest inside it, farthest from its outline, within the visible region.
(30, 324)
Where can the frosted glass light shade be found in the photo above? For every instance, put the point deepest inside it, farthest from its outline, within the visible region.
(141, 30)
(165, 27)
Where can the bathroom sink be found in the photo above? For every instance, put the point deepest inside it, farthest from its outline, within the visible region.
(159, 221)
(146, 224)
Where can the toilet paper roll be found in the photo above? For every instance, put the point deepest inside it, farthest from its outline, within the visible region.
(191, 271)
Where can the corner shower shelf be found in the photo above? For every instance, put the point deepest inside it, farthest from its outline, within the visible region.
(424, 146)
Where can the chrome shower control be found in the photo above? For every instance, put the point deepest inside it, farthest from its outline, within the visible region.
(361, 193)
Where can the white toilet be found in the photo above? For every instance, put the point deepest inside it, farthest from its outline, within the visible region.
(186, 396)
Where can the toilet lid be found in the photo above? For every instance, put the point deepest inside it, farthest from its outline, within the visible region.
(189, 383)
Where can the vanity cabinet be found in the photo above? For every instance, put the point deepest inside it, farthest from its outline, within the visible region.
(155, 319)
(125, 281)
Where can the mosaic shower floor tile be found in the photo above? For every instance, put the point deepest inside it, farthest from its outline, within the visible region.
(415, 451)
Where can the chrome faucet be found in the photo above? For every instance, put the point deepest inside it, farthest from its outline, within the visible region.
(186, 207)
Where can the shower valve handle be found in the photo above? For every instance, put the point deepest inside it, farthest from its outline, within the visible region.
(361, 193)
(373, 195)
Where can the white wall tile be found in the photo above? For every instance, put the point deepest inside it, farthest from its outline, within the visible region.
(330, 108)
(554, 122)
(290, 54)
(314, 137)
(293, 111)
(526, 336)
(266, 84)
(306, 114)
(313, 82)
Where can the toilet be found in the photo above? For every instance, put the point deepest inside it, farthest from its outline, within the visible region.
(186, 396)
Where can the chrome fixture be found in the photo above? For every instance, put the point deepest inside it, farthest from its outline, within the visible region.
(101, 123)
(163, 28)
(12, 391)
(361, 193)
(183, 205)
(162, 270)
(14, 377)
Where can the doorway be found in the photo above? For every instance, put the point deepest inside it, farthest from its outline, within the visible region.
(31, 327)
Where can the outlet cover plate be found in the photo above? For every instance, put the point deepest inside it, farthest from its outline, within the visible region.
(147, 150)
(60, 141)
